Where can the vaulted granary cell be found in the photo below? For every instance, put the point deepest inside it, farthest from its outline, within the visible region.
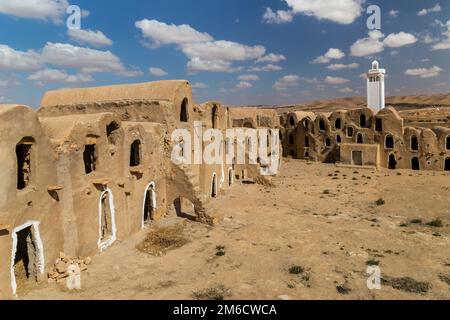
(112, 132)
(338, 124)
(291, 121)
(328, 142)
(24, 165)
(135, 153)
(392, 162)
(415, 164)
(338, 139)
(90, 158)
(389, 142)
(184, 112)
(414, 143)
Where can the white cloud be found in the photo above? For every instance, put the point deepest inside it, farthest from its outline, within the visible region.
(445, 43)
(346, 90)
(396, 40)
(199, 85)
(94, 38)
(335, 80)
(248, 77)
(11, 59)
(423, 12)
(394, 13)
(340, 66)
(286, 82)
(197, 65)
(331, 54)
(244, 85)
(160, 33)
(157, 72)
(86, 59)
(272, 57)
(424, 72)
(340, 11)
(278, 17)
(266, 68)
(53, 10)
(57, 76)
(368, 46)
(222, 50)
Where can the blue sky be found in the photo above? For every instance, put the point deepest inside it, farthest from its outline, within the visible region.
(308, 49)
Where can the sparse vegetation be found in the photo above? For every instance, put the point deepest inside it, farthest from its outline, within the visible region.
(218, 292)
(372, 262)
(380, 202)
(344, 289)
(445, 279)
(296, 270)
(416, 221)
(407, 284)
(220, 251)
(161, 240)
(437, 223)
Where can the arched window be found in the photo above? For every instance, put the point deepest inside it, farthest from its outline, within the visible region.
(362, 121)
(359, 138)
(389, 143)
(328, 142)
(24, 164)
(447, 143)
(291, 121)
(184, 112)
(322, 125)
(112, 132)
(378, 125)
(135, 153)
(414, 143)
(392, 162)
(90, 158)
(291, 139)
(338, 124)
(338, 139)
(350, 132)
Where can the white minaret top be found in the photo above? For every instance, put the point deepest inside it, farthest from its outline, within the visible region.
(375, 87)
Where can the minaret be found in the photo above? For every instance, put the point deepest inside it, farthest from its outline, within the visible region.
(375, 87)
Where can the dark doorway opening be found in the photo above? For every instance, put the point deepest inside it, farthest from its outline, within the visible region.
(90, 158)
(350, 132)
(291, 139)
(184, 115)
(338, 124)
(378, 124)
(291, 121)
(230, 177)
(25, 259)
(214, 187)
(338, 139)
(307, 141)
(363, 121)
(357, 159)
(112, 132)
(322, 125)
(447, 164)
(328, 142)
(23, 155)
(360, 138)
(135, 154)
(106, 218)
(392, 162)
(214, 117)
(415, 164)
(149, 205)
(447, 143)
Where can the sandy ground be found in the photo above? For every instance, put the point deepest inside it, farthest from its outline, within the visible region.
(319, 217)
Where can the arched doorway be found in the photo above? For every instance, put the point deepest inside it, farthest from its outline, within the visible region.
(214, 186)
(363, 121)
(184, 112)
(149, 205)
(27, 258)
(415, 164)
(360, 138)
(106, 220)
(392, 162)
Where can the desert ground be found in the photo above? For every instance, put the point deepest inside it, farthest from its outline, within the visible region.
(309, 236)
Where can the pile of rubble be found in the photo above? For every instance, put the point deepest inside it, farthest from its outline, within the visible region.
(60, 269)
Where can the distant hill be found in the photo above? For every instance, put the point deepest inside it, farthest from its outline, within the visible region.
(398, 102)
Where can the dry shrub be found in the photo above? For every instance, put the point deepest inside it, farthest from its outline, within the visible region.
(163, 239)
